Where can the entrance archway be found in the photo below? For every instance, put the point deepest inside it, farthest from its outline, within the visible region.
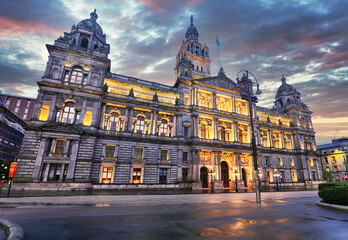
(244, 176)
(204, 177)
(224, 174)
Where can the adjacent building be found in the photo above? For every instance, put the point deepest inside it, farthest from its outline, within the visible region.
(334, 158)
(22, 107)
(91, 125)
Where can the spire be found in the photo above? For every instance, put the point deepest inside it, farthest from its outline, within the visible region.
(94, 15)
(192, 33)
(221, 71)
(191, 18)
(283, 80)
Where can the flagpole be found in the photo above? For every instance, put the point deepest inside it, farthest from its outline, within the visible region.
(218, 51)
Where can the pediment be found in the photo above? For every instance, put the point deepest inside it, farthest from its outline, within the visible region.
(221, 82)
(62, 127)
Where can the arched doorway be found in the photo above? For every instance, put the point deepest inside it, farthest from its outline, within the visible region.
(204, 177)
(224, 174)
(244, 176)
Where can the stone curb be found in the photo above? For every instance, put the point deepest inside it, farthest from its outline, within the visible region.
(14, 231)
(329, 205)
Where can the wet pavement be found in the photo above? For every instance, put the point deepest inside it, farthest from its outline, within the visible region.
(195, 216)
(3, 233)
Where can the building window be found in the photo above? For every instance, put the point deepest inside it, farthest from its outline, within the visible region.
(59, 147)
(311, 162)
(185, 157)
(140, 125)
(280, 162)
(203, 131)
(136, 175)
(326, 161)
(17, 106)
(43, 113)
(107, 173)
(68, 115)
(269, 176)
(8, 101)
(84, 43)
(76, 75)
(65, 172)
(163, 175)
(335, 168)
(184, 174)
(186, 131)
(26, 110)
(164, 154)
(138, 153)
(267, 161)
(87, 119)
(110, 151)
(333, 160)
(163, 128)
(43, 170)
(54, 172)
(292, 162)
(327, 169)
(294, 176)
(186, 100)
(223, 134)
(114, 122)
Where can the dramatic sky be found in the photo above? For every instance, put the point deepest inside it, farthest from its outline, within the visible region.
(306, 40)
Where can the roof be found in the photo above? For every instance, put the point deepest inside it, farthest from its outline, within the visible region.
(329, 145)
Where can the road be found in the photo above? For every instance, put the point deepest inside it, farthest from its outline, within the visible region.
(186, 216)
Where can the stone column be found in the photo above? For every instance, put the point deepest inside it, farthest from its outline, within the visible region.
(214, 101)
(235, 131)
(46, 172)
(177, 125)
(101, 124)
(219, 165)
(216, 128)
(193, 165)
(130, 119)
(271, 138)
(198, 165)
(258, 137)
(283, 139)
(155, 124)
(196, 96)
(193, 97)
(196, 126)
(73, 158)
(215, 167)
(240, 167)
(126, 120)
(52, 108)
(38, 161)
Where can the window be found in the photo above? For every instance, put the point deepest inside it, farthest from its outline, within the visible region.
(43, 170)
(17, 105)
(311, 162)
(59, 148)
(43, 113)
(186, 131)
(333, 160)
(26, 110)
(184, 174)
(223, 134)
(140, 125)
(292, 162)
(76, 75)
(138, 154)
(269, 176)
(8, 101)
(84, 43)
(294, 176)
(203, 131)
(114, 122)
(54, 172)
(87, 119)
(282, 177)
(136, 176)
(65, 172)
(326, 161)
(110, 151)
(68, 113)
(280, 162)
(186, 72)
(185, 157)
(162, 175)
(107, 173)
(327, 169)
(186, 100)
(164, 154)
(163, 128)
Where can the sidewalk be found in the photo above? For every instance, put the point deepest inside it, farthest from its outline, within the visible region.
(151, 199)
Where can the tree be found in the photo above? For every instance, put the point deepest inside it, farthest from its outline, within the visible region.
(328, 176)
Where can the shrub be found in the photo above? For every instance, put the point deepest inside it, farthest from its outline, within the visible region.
(334, 193)
(328, 176)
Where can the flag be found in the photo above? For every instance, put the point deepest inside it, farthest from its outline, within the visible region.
(217, 41)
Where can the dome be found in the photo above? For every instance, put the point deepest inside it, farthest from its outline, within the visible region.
(91, 24)
(192, 33)
(286, 89)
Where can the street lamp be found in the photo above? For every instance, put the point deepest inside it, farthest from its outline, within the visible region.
(246, 85)
(276, 175)
(235, 174)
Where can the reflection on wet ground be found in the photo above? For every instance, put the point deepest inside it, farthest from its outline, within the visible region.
(290, 218)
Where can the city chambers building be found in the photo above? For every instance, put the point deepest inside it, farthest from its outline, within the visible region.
(110, 130)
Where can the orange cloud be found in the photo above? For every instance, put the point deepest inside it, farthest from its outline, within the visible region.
(11, 27)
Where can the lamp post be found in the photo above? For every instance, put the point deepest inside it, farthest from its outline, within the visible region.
(212, 179)
(276, 175)
(246, 85)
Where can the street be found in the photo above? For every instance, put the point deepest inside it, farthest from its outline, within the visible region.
(292, 215)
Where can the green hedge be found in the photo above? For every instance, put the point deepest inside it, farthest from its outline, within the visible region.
(334, 193)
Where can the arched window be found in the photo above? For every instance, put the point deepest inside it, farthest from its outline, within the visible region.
(202, 101)
(276, 141)
(240, 135)
(114, 122)
(76, 75)
(140, 125)
(186, 72)
(163, 128)
(68, 115)
(84, 43)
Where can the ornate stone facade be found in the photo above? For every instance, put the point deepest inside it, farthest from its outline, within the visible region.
(95, 126)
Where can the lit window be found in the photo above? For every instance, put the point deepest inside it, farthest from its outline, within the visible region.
(311, 162)
(114, 122)
(292, 163)
(87, 120)
(43, 113)
(163, 175)
(327, 169)
(136, 175)
(140, 125)
(187, 101)
(107, 174)
(8, 101)
(163, 128)
(17, 105)
(68, 113)
(203, 131)
(59, 148)
(110, 151)
(280, 162)
(138, 154)
(164, 154)
(294, 176)
(54, 172)
(76, 75)
(223, 134)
